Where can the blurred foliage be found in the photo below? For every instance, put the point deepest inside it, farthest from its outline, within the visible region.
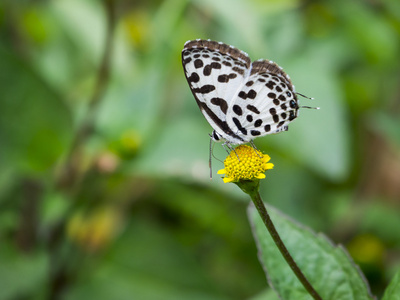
(110, 198)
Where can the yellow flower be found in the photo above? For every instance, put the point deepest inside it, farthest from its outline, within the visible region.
(245, 163)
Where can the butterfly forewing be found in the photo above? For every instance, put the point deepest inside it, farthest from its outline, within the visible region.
(215, 73)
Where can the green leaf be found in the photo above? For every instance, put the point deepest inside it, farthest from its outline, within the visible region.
(35, 125)
(147, 263)
(267, 294)
(21, 275)
(393, 290)
(328, 267)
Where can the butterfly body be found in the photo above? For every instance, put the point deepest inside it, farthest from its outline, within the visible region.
(241, 100)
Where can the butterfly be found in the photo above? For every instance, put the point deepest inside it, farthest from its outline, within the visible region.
(241, 100)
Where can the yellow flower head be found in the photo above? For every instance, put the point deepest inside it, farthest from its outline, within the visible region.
(245, 163)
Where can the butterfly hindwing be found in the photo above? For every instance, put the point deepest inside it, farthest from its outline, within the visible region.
(265, 104)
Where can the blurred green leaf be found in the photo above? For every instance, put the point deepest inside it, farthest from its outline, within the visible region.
(139, 268)
(393, 290)
(267, 294)
(188, 158)
(35, 125)
(377, 40)
(388, 126)
(21, 275)
(328, 268)
(77, 19)
(380, 218)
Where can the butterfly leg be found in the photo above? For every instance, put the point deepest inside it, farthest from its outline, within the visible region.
(227, 146)
(255, 148)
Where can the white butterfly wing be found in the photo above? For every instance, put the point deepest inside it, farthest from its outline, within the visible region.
(265, 104)
(215, 73)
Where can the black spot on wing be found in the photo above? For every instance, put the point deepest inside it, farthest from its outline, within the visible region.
(270, 84)
(198, 63)
(225, 77)
(239, 126)
(221, 103)
(280, 123)
(194, 77)
(253, 108)
(187, 60)
(255, 132)
(205, 89)
(208, 68)
(238, 70)
(275, 78)
(237, 110)
(251, 94)
(282, 97)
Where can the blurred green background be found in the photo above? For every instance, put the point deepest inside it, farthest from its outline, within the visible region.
(104, 182)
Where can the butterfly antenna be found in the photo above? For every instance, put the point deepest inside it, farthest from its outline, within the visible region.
(304, 96)
(309, 107)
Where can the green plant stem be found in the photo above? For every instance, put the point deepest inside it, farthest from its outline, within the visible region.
(259, 204)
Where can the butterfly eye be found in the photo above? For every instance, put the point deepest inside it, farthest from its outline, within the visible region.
(289, 94)
(293, 104)
(215, 136)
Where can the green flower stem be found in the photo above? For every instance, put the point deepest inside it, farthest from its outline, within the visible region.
(251, 188)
